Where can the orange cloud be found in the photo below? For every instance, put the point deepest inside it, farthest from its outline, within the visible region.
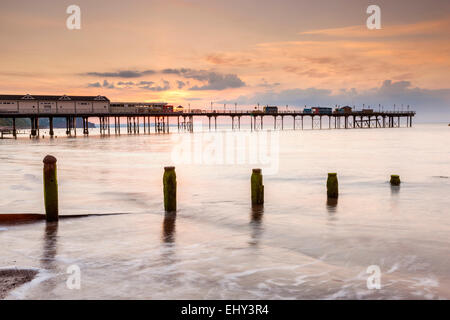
(437, 27)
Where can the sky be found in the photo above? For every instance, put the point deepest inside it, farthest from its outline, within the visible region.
(196, 52)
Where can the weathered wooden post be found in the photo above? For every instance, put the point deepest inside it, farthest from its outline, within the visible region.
(50, 188)
(257, 187)
(395, 180)
(332, 186)
(170, 189)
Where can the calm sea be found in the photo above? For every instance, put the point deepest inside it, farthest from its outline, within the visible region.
(299, 246)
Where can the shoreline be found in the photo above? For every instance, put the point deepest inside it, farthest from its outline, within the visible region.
(11, 279)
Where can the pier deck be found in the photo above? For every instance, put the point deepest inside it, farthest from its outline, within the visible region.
(354, 119)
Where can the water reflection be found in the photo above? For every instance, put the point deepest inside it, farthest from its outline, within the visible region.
(50, 246)
(168, 231)
(395, 190)
(256, 219)
(49, 252)
(332, 208)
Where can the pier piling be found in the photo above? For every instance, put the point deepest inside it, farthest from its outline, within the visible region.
(170, 189)
(14, 128)
(332, 186)
(52, 133)
(50, 188)
(257, 187)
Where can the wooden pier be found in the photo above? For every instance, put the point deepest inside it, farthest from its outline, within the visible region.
(184, 120)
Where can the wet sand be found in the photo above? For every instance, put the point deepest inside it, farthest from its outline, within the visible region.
(11, 279)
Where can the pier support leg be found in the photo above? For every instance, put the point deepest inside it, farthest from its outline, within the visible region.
(52, 133)
(33, 127)
(257, 187)
(50, 189)
(14, 128)
(170, 189)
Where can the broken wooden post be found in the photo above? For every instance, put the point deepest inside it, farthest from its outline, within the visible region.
(395, 180)
(257, 187)
(170, 189)
(50, 188)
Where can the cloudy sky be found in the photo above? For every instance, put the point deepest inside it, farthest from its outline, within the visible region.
(284, 52)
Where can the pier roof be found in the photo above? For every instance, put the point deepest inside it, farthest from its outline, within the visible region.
(52, 98)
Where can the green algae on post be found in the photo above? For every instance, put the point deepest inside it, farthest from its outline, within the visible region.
(257, 187)
(50, 188)
(332, 186)
(170, 189)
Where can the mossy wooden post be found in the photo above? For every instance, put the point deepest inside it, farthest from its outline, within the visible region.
(332, 186)
(395, 180)
(50, 189)
(257, 187)
(170, 189)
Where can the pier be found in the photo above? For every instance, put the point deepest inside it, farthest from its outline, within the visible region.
(184, 120)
